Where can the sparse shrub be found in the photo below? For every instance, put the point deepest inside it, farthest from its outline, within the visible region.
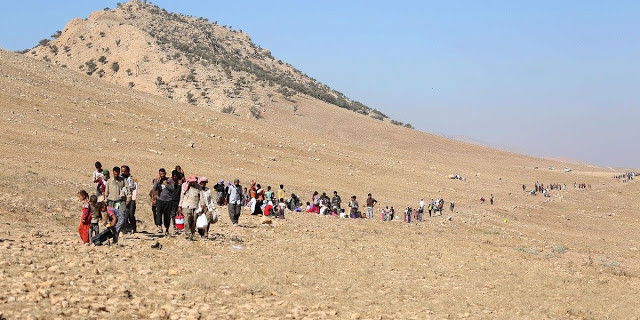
(91, 67)
(129, 72)
(106, 9)
(377, 116)
(397, 123)
(118, 42)
(54, 49)
(102, 34)
(255, 112)
(115, 67)
(159, 81)
(44, 42)
(57, 34)
(191, 76)
(228, 110)
(558, 250)
(102, 59)
(408, 125)
(101, 73)
(190, 98)
(131, 84)
(22, 51)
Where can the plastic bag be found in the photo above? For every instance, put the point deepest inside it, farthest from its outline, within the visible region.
(202, 221)
(214, 216)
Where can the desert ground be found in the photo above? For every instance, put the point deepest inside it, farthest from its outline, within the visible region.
(572, 255)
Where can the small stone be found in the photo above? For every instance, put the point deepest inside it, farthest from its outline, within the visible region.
(114, 140)
(355, 316)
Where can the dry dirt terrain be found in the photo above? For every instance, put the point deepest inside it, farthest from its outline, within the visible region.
(570, 256)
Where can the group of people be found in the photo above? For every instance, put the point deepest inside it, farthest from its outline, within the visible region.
(113, 205)
(581, 186)
(182, 204)
(417, 214)
(627, 176)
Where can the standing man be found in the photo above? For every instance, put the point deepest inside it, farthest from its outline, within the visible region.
(421, 209)
(491, 199)
(370, 203)
(112, 192)
(165, 188)
(175, 197)
(191, 205)
(235, 201)
(336, 201)
(129, 205)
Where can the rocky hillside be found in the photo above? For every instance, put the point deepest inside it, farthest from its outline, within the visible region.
(185, 58)
(572, 255)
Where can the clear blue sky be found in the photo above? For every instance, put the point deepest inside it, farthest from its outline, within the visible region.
(548, 78)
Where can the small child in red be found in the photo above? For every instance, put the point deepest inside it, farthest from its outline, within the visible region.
(85, 219)
(268, 209)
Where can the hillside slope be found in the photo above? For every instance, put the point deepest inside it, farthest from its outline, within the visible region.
(186, 59)
(571, 255)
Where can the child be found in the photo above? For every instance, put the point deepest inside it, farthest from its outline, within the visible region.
(85, 219)
(98, 178)
(281, 208)
(266, 218)
(95, 217)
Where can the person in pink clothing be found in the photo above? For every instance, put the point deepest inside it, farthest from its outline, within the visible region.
(85, 219)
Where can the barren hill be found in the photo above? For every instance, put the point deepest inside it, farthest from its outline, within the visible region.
(186, 59)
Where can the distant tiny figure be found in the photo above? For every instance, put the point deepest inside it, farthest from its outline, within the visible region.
(491, 199)
(452, 206)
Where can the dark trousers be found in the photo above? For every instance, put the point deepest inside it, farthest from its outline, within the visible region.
(234, 212)
(129, 217)
(163, 212)
(94, 230)
(155, 216)
(174, 211)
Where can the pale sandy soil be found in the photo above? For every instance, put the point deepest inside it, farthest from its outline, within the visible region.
(573, 255)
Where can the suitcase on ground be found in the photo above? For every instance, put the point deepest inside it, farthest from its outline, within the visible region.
(101, 237)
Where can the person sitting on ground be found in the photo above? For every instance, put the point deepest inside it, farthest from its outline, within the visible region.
(281, 208)
(266, 217)
(309, 207)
